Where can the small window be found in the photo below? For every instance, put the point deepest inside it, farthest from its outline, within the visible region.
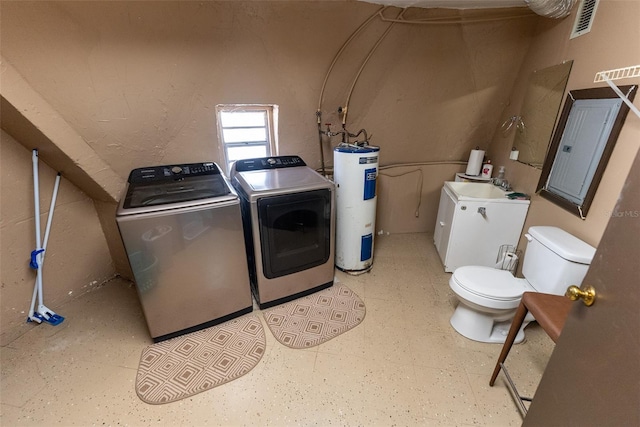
(246, 131)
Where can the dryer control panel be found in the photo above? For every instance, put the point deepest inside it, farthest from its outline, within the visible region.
(172, 172)
(263, 163)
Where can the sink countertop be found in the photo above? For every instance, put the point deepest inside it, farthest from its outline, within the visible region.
(476, 191)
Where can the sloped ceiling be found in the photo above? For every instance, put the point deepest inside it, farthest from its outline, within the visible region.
(451, 4)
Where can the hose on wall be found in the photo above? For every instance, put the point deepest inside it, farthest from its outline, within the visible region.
(418, 189)
(418, 169)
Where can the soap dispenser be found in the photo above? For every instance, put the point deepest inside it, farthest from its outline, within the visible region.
(499, 180)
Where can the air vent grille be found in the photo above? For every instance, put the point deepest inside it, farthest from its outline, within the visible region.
(584, 18)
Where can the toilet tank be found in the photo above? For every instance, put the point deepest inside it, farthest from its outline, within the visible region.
(555, 259)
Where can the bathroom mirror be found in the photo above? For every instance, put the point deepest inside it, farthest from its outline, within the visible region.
(587, 131)
(539, 111)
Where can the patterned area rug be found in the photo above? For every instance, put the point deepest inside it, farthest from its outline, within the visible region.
(316, 318)
(183, 366)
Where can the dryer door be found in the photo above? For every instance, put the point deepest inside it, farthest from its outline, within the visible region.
(295, 231)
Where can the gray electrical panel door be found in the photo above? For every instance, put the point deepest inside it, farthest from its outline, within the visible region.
(583, 141)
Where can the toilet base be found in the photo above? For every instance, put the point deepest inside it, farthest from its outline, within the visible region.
(484, 327)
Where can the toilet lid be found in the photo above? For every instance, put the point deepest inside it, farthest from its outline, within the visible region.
(490, 282)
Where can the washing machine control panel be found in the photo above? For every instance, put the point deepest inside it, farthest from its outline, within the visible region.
(263, 163)
(172, 172)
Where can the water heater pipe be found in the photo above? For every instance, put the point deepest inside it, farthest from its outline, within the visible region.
(337, 55)
(364, 63)
(455, 21)
(326, 78)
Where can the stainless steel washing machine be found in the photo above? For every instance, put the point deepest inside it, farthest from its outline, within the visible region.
(288, 217)
(182, 230)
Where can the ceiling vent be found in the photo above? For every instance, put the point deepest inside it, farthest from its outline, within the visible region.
(584, 18)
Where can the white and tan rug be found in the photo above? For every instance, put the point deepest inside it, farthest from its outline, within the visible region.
(316, 318)
(183, 366)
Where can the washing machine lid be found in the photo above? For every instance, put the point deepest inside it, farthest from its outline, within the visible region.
(174, 186)
(276, 175)
(490, 282)
(268, 163)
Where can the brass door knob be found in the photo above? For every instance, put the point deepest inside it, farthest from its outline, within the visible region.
(588, 295)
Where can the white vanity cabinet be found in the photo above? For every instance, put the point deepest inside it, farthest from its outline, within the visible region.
(474, 220)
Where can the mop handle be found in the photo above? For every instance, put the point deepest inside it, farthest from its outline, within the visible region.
(47, 229)
(36, 202)
(43, 251)
(43, 313)
(36, 197)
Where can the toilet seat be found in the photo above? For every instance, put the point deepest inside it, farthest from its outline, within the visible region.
(489, 287)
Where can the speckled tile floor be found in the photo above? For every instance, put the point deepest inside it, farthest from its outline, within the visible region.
(404, 365)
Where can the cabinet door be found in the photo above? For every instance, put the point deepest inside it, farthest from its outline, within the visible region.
(477, 237)
(444, 221)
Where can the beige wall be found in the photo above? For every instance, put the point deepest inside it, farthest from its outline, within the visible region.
(138, 81)
(614, 42)
(408, 196)
(77, 255)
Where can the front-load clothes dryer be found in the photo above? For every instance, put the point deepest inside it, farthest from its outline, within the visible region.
(288, 217)
(182, 231)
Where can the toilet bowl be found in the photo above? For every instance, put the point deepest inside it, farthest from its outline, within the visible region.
(488, 297)
(488, 301)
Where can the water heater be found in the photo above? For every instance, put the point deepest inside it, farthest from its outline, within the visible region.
(355, 172)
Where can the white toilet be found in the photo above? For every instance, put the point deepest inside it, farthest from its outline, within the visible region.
(489, 297)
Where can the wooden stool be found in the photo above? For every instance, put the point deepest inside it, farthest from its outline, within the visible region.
(550, 311)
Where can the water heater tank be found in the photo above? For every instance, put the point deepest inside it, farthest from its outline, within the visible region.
(355, 171)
